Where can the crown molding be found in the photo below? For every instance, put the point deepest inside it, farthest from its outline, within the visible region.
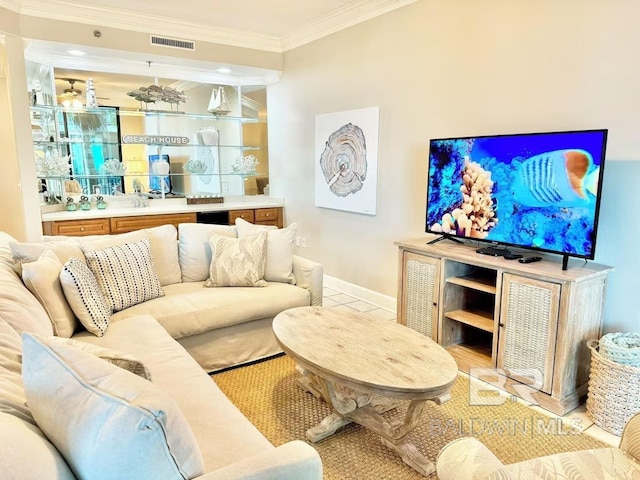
(335, 21)
(340, 19)
(151, 24)
(251, 104)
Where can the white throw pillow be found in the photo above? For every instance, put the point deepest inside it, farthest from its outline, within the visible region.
(280, 244)
(126, 274)
(117, 425)
(238, 262)
(115, 357)
(194, 251)
(30, 252)
(42, 278)
(85, 298)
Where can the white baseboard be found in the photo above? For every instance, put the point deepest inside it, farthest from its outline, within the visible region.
(364, 294)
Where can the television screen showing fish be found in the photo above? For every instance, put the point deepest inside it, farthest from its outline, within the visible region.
(533, 190)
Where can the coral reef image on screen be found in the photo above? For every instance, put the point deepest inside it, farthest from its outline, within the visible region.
(532, 190)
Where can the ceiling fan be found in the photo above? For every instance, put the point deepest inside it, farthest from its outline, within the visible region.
(72, 90)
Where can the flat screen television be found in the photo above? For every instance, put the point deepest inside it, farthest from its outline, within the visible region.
(538, 191)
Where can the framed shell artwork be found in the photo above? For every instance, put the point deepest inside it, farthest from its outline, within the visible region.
(346, 160)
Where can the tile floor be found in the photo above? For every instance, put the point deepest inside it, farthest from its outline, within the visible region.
(576, 418)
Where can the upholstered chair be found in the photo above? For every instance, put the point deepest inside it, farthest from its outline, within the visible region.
(467, 458)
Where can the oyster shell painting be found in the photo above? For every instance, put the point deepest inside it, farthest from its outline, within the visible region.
(344, 160)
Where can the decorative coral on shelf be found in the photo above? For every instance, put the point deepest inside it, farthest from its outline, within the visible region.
(196, 167)
(246, 165)
(51, 164)
(115, 167)
(476, 215)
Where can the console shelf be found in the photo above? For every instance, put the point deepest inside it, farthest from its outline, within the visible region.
(476, 319)
(487, 285)
(471, 355)
(529, 323)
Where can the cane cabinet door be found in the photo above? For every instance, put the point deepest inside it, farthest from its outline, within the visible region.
(418, 296)
(528, 328)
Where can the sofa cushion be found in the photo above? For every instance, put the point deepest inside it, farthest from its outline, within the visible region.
(42, 278)
(122, 426)
(163, 241)
(119, 359)
(30, 252)
(237, 262)
(6, 257)
(194, 250)
(27, 454)
(12, 398)
(205, 407)
(280, 243)
(126, 274)
(19, 307)
(188, 309)
(85, 298)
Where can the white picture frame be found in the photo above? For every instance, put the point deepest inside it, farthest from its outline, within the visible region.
(346, 160)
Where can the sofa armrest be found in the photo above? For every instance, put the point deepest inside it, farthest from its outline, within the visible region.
(292, 461)
(630, 441)
(309, 275)
(466, 458)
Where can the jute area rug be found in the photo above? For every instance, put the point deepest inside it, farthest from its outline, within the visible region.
(268, 395)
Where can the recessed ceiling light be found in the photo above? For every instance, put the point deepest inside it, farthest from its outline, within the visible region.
(76, 53)
(223, 70)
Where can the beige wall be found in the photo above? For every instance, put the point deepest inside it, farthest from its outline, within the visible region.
(441, 68)
(19, 201)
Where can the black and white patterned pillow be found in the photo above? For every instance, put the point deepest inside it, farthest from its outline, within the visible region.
(84, 296)
(126, 274)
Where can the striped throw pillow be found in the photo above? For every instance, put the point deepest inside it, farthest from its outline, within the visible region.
(125, 273)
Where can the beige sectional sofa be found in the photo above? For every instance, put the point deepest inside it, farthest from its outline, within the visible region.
(219, 327)
(64, 412)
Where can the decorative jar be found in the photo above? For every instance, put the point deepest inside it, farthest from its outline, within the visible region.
(85, 204)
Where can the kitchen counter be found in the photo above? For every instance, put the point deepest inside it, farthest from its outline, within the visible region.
(123, 208)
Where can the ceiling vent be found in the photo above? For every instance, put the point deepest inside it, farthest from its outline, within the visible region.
(173, 43)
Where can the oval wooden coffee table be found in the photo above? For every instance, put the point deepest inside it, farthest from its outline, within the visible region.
(358, 364)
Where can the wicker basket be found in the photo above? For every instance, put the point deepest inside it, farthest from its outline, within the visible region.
(614, 391)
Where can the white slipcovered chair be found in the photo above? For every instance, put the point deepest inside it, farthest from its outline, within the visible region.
(467, 458)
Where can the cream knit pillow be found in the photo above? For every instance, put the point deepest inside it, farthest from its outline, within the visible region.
(280, 244)
(115, 357)
(238, 262)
